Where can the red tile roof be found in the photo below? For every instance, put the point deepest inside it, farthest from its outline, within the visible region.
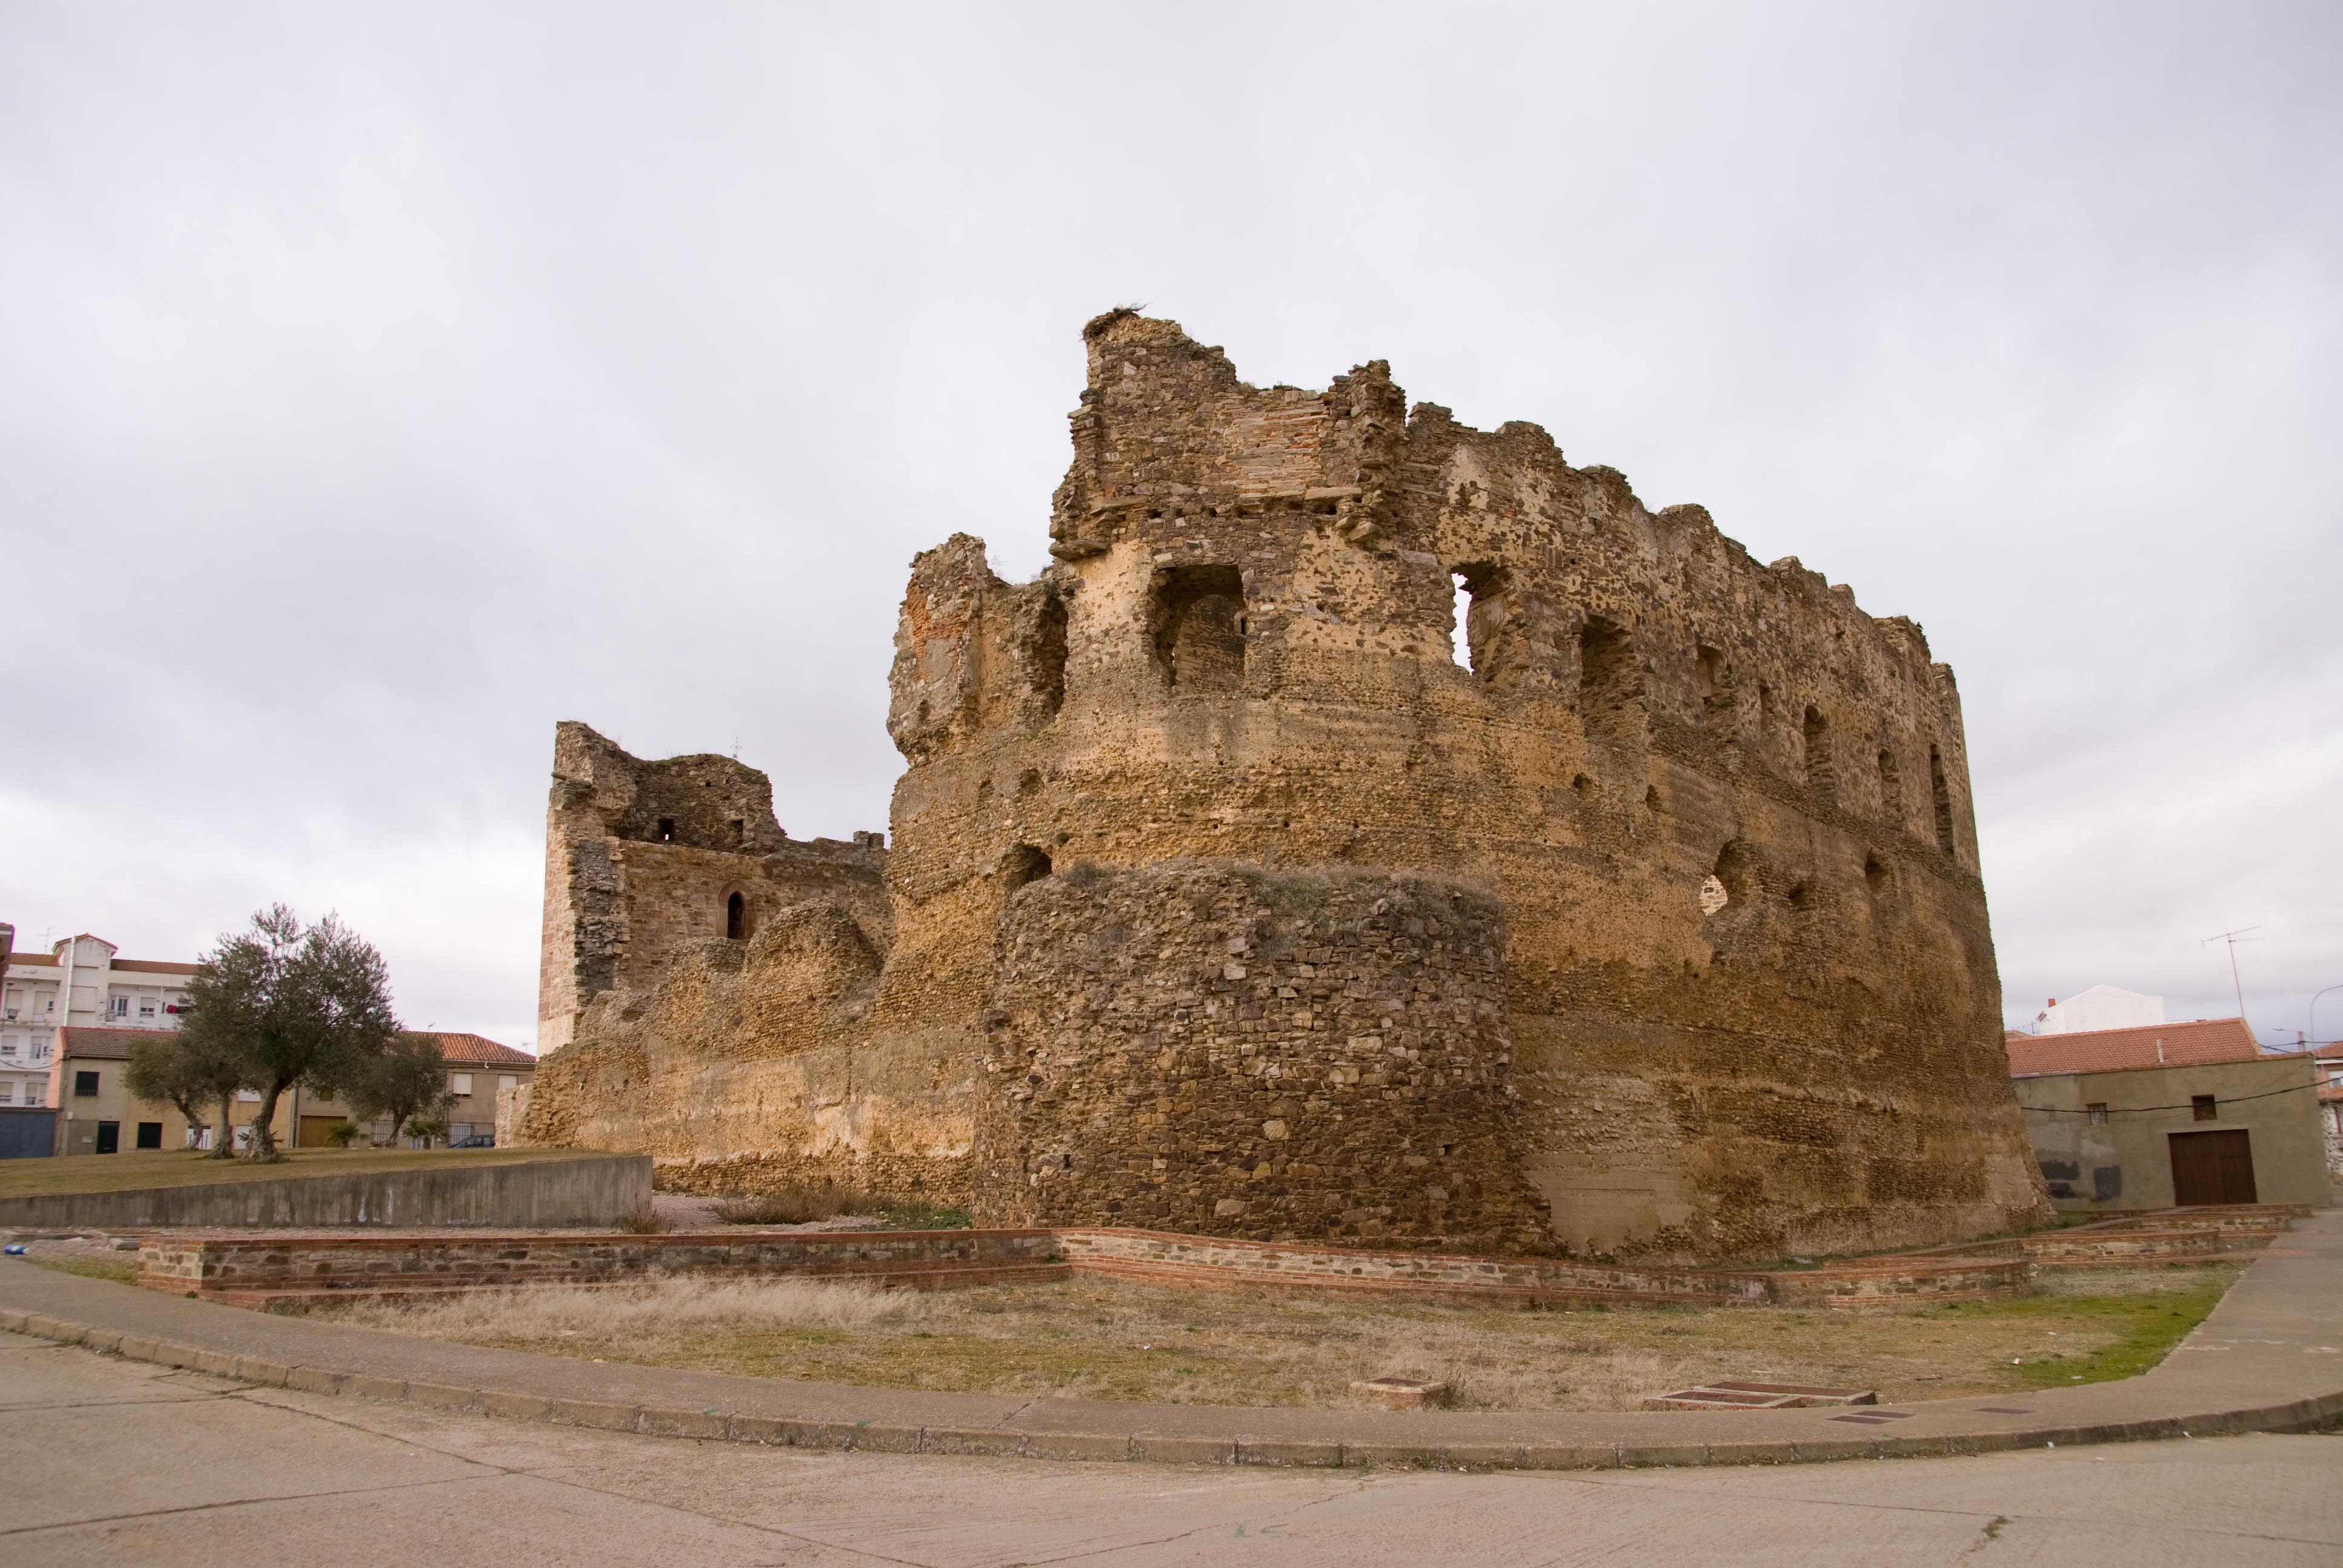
(153, 966)
(2112, 1050)
(81, 1039)
(475, 1050)
(19, 956)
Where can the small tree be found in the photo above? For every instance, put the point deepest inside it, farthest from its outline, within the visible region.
(407, 1081)
(293, 1005)
(427, 1128)
(189, 1071)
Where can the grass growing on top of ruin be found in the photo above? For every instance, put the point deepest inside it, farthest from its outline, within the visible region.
(1099, 1339)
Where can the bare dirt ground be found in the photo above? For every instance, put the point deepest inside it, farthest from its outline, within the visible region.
(1105, 1340)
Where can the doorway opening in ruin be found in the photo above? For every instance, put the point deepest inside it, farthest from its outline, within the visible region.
(735, 918)
(1200, 628)
(1610, 693)
(1480, 609)
(1050, 655)
(1025, 863)
(1818, 751)
(1942, 789)
(1891, 788)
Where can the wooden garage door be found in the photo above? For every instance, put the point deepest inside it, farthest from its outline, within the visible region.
(2212, 1168)
(314, 1130)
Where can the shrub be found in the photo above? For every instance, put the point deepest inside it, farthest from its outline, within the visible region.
(795, 1205)
(342, 1134)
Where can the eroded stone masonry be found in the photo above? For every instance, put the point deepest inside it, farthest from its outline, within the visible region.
(1224, 898)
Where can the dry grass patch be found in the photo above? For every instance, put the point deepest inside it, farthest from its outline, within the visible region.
(1101, 1340)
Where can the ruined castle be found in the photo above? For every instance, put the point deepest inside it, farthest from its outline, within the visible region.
(1222, 897)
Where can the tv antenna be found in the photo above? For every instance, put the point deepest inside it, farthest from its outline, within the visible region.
(2233, 938)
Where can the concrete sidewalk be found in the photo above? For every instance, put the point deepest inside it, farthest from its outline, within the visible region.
(2268, 1359)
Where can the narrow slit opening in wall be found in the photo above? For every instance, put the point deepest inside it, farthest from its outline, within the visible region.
(1480, 616)
(1815, 731)
(1891, 788)
(1941, 789)
(1050, 655)
(665, 834)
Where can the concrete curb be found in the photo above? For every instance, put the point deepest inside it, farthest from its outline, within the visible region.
(2261, 1371)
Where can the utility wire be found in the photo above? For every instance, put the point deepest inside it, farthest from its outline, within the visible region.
(2143, 1110)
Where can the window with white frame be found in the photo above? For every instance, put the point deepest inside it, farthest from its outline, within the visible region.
(37, 1093)
(119, 1006)
(249, 1096)
(460, 1083)
(7, 1091)
(507, 1081)
(7, 1045)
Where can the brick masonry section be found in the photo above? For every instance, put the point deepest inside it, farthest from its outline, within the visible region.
(286, 1271)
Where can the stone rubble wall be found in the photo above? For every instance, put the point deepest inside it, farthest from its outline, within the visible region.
(1748, 980)
(1224, 1049)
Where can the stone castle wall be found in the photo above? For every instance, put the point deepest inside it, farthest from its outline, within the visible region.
(1748, 979)
(1199, 1046)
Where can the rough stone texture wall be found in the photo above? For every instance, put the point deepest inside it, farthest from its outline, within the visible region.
(1749, 980)
(1219, 1049)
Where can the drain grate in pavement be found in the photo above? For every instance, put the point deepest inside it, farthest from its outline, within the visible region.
(1873, 1417)
(2001, 1410)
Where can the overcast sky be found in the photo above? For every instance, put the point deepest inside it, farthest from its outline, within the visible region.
(379, 385)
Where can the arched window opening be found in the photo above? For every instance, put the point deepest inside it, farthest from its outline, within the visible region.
(1941, 788)
(1735, 871)
(735, 918)
(1025, 863)
(1817, 732)
(1610, 689)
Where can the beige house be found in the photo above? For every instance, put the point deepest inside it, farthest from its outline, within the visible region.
(478, 1068)
(2215, 1122)
(97, 1114)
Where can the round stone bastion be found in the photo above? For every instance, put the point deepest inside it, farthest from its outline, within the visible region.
(1234, 1051)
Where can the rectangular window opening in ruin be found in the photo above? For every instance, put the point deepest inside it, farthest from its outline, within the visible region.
(665, 834)
(1816, 730)
(1942, 789)
(1200, 628)
(1609, 690)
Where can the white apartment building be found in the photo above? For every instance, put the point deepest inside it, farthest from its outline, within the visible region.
(80, 981)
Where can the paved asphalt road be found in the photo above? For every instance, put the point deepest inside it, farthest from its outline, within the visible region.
(114, 1461)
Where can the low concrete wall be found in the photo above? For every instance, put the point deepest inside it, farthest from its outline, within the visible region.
(584, 1189)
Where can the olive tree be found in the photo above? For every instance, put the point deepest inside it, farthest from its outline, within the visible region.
(192, 1071)
(406, 1082)
(291, 1005)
